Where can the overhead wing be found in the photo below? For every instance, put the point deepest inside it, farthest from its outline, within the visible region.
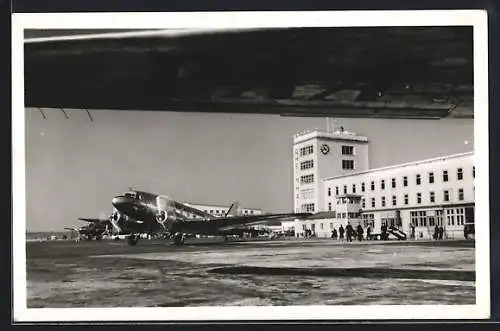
(385, 72)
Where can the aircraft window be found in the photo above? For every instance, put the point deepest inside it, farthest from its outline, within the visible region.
(130, 195)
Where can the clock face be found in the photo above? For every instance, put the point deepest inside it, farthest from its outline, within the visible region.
(325, 149)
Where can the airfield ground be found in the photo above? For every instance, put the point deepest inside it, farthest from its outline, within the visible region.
(66, 274)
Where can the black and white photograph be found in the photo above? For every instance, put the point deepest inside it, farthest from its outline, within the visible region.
(253, 166)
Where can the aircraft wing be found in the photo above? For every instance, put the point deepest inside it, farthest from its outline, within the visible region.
(238, 221)
(393, 72)
(235, 222)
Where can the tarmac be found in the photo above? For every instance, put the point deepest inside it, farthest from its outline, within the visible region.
(66, 274)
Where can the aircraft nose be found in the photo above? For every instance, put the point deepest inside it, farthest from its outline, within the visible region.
(120, 201)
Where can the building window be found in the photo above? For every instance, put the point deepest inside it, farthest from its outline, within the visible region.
(406, 199)
(394, 200)
(321, 226)
(431, 197)
(347, 150)
(414, 218)
(382, 184)
(329, 206)
(405, 181)
(419, 198)
(383, 202)
(418, 180)
(307, 194)
(362, 187)
(373, 185)
(306, 150)
(445, 175)
(460, 174)
(461, 194)
(306, 164)
(344, 215)
(368, 220)
(353, 188)
(345, 189)
(329, 191)
(336, 190)
(348, 164)
(307, 179)
(460, 216)
(446, 196)
(363, 203)
(423, 218)
(308, 207)
(373, 202)
(450, 216)
(331, 226)
(393, 183)
(431, 177)
(474, 172)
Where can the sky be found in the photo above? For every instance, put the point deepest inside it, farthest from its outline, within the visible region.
(74, 167)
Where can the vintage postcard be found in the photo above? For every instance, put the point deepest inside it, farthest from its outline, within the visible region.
(250, 166)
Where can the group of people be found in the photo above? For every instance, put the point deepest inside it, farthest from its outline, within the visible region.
(350, 232)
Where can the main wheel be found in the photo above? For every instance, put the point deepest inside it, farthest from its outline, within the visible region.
(132, 240)
(178, 239)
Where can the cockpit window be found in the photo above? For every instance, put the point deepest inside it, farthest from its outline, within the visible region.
(131, 195)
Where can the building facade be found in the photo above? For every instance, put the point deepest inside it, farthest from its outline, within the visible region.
(317, 155)
(332, 179)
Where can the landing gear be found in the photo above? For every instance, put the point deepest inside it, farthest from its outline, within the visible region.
(178, 239)
(132, 240)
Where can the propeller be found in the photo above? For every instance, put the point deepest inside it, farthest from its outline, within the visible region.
(115, 219)
(165, 212)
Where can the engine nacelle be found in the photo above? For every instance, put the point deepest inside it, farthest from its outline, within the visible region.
(165, 212)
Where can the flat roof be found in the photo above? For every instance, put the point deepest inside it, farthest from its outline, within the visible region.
(335, 135)
(440, 158)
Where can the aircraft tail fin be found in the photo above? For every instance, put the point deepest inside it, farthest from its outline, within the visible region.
(234, 210)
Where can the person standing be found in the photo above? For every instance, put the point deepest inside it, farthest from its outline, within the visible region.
(368, 233)
(349, 231)
(341, 232)
(359, 232)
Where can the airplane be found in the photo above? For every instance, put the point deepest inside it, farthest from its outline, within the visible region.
(160, 214)
(96, 228)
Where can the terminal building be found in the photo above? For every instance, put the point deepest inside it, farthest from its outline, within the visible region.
(221, 211)
(332, 179)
